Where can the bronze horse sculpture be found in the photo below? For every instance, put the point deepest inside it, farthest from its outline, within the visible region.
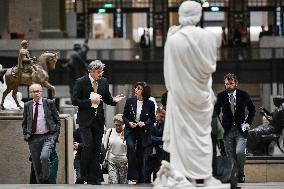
(45, 62)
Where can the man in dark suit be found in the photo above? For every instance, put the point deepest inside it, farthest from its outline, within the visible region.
(91, 117)
(157, 153)
(41, 127)
(145, 39)
(233, 103)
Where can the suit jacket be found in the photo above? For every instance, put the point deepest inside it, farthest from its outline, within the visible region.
(157, 133)
(147, 116)
(50, 114)
(81, 98)
(243, 101)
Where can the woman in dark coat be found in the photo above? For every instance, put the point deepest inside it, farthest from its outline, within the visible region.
(139, 117)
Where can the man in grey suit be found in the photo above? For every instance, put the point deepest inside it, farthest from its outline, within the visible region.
(41, 127)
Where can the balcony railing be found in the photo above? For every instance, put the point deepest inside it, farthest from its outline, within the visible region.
(151, 54)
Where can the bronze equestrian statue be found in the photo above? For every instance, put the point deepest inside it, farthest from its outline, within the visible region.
(33, 73)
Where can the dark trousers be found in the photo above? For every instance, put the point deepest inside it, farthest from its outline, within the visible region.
(154, 162)
(214, 158)
(77, 168)
(90, 165)
(41, 147)
(235, 144)
(53, 168)
(152, 166)
(137, 156)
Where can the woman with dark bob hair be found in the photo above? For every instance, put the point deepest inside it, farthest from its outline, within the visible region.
(138, 117)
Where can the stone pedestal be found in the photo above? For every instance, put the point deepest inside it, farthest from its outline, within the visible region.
(14, 151)
(264, 169)
(221, 186)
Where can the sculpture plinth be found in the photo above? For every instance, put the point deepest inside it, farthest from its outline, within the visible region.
(15, 165)
(5, 113)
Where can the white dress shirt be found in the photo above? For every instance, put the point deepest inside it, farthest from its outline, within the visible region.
(138, 110)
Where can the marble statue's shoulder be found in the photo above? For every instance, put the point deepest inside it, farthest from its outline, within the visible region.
(172, 30)
(24, 51)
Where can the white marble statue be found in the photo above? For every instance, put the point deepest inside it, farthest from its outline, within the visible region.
(9, 102)
(190, 60)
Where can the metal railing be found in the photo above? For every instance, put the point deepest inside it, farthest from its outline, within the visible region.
(157, 54)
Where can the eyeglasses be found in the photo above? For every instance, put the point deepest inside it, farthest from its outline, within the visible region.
(139, 88)
(36, 91)
(118, 125)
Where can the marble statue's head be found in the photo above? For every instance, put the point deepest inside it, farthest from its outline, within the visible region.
(189, 13)
(24, 43)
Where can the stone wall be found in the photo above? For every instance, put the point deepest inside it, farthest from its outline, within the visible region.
(25, 17)
(15, 165)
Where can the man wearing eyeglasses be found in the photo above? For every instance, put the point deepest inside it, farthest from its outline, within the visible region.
(41, 127)
(89, 94)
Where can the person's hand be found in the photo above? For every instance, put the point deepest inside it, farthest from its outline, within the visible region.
(132, 124)
(26, 137)
(75, 145)
(104, 164)
(118, 98)
(96, 100)
(141, 124)
(246, 126)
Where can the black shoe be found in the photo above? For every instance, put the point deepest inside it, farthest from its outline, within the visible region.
(45, 182)
(95, 183)
(79, 181)
(242, 178)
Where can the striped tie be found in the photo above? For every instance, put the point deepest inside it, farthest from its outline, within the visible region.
(232, 103)
(95, 86)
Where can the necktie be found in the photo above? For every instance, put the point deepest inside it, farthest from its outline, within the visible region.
(232, 103)
(34, 123)
(95, 86)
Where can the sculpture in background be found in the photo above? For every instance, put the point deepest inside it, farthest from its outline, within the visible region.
(9, 102)
(45, 62)
(260, 139)
(189, 61)
(77, 64)
(276, 120)
(25, 61)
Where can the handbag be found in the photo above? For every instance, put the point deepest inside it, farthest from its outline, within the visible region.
(105, 167)
(105, 163)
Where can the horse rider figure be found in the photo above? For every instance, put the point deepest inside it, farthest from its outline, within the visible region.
(25, 61)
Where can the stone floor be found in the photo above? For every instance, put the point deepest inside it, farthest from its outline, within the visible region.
(268, 185)
(271, 185)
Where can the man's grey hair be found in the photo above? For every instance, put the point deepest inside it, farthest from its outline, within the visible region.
(95, 65)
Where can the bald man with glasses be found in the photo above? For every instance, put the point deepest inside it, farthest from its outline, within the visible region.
(41, 127)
